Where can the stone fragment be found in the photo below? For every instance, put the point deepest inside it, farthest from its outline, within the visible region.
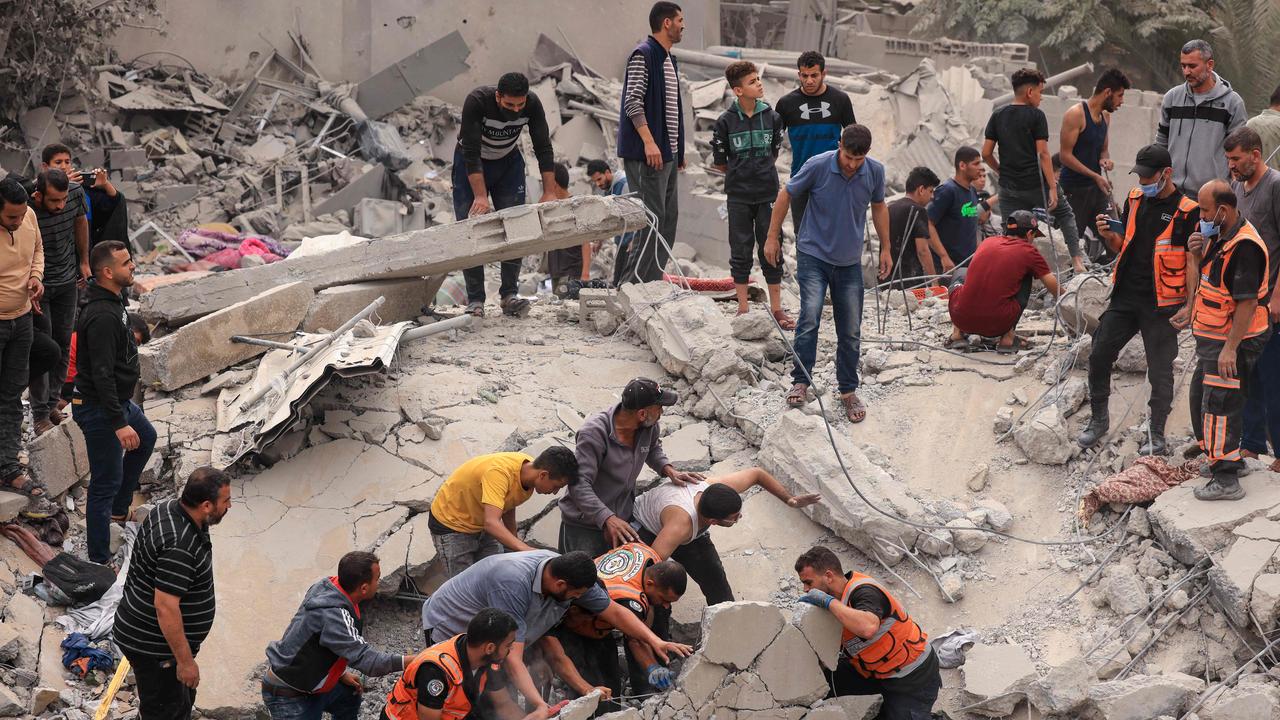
(822, 630)
(1141, 697)
(12, 504)
(1232, 579)
(733, 634)
(700, 678)
(998, 516)
(1082, 302)
(1064, 689)
(1070, 395)
(744, 692)
(11, 704)
(937, 543)
(24, 615)
(334, 306)
(408, 551)
(581, 708)
(1003, 421)
(1265, 600)
(1132, 357)
(688, 447)
(10, 643)
(754, 325)
(977, 479)
(1043, 437)
(1244, 702)
(52, 680)
(790, 669)
(967, 541)
(1124, 590)
(58, 458)
(848, 707)
(684, 333)
(996, 678)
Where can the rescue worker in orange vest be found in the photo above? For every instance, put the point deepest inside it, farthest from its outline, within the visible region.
(639, 580)
(1231, 326)
(883, 651)
(445, 681)
(1148, 295)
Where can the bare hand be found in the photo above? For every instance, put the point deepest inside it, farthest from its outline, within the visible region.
(619, 532)
(773, 250)
(665, 650)
(800, 501)
(542, 711)
(652, 155)
(886, 266)
(188, 673)
(1182, 318)
(1053, 200)
(479, 206)
(947, 265)
(35, 289)
(1227, 363)
(1107, 164)
(1195, 244)
(683, 164)
(353, 680)
(129, 441)
(1104, 184)
(84, 274)
(685, 478)
(605, 692)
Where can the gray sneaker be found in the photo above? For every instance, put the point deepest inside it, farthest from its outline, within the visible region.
(1217, 489)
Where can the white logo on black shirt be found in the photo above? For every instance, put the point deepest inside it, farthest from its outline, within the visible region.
(807, 110)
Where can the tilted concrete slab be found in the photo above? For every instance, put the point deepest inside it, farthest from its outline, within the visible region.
(1189, 529)
(435, 250)
(59, 457)
(334, 306)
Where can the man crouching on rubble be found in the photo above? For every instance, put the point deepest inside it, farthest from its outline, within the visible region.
(882, 650)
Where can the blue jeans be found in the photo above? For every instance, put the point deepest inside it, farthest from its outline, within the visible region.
(113, 473)
(1262, 404)
(341, 703)
(815, 277)
(505, 181)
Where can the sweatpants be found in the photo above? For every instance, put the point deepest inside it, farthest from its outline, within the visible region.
(1123, 319)
(647, 257)
(1217, 405)
(748, 229)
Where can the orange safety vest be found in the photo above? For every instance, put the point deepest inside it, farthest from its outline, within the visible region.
(622, 571)
(895, 650)
(1215, 308)
(402, 701)
(1169, 261)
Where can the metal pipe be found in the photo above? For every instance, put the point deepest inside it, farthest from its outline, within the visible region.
(1050, 82)
(435, 328)
(265, 343)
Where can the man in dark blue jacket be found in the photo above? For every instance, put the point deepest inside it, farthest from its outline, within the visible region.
(651, 136)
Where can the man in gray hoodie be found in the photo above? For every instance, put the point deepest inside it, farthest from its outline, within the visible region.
(1195, 117)
(306, 674)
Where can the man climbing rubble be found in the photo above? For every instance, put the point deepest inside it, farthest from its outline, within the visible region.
(488, 163)
(1149, 292)
(882, 650)
(1231, 326)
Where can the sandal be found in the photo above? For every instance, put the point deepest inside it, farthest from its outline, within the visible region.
(39, 506)
(784, 320)
(798, 396)
(853, 408)
(475, 309)
(1019, 343)
(515, 306)
(961, 344)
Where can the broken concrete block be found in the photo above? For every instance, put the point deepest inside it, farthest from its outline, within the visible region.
(848, 707)
(998, 516)
(1141, 697)
(700, 678)
(688, 448)
(24, 615)
(1124, 590)
(169, 195)
(822, 630)
(1064, 690)
(1043, 437)
(1253, 701)
(418, 253)
(10, 643)
(996, 678)
(409, 551)
(11, 504)
(966, 540)
(11, 704)
(1190, 530)
(59, 457)
(581, 708)
(790, 669)
(204, 347)
(128, 158)
(1265, 600)
(628, 714)
(1082, 302)
(754, 325)
(52, 678)
(1070, 396)
(683, 333)
(376, 217)
(1132, 357)
(733, 634)
(744, 692)
(1232, 579)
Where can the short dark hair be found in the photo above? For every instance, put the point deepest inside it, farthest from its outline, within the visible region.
(738, 71)
(856, 139)
(719, 501)
(966, 154)
(514, 84)
(1026, 76)
(204, 483)
(1224, 195)
(670, 575)
(101, 254)
(355, 569)
(52, 178)
(138, 325)
(820, 559)
(661, 12)
(490, 625)
(1112, 79)
(561, 174)
(576, 568)
(921, 177)
(1244, 138)
(12, 192)
(53, 150)
(597, 166)
(1200, 46)
(810, 58)
(560, 463)
(1275, 96)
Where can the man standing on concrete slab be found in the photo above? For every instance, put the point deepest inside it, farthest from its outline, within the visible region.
(167, 608)
(487, 162)
(955, 210)
(21, 272)
(1195, 117)
(1020, 131)
(1149, 292)
(1085, 152)
(1231, 325)
(536, 588)
(1267, 125)
(651, 138)
(473, 514)
(814, 115)
(60, 210)
(841, 185)
(882, 650)
(613, 446)
(1257, 189)
(117, 435)
(615, 184)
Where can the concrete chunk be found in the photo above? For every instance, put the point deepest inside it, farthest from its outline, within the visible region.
(789, 668)
(822, 630)
(848, 707)
(204, 347)
(1232, 580)
(1064, 689)
(11, 504)
(1190, 530)
(1244, 702)
(336, 305)
(1043, 437)
(733, 634)
(687, 448)
(52, 678)
(25, 616)
(59, 458)
(700, 678)
(1265, 600)
(581, 708)
(997, 676)
(684, 333)
(1142, 697)
(408, 551)
(11, 704)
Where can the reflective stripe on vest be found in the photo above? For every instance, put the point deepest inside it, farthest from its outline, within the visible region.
(898, 646)
(622, 571)
(1214, 307)
(402, 701)
(1168, 261)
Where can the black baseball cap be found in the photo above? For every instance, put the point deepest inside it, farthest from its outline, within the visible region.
(643, 393)
(1021, 222)
(1151, 160)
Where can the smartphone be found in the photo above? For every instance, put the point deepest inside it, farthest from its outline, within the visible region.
(1115, 226)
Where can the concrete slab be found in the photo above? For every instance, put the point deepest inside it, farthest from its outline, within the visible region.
(408, 551)
(413, 75)
(1142, 697)
(370, 184)
(790, 669)
(336, 305)
(1232, 579)
(1190, 529)
(687, 448)
(997, 676)
(11, 504)
(734, 634)
(59, 457)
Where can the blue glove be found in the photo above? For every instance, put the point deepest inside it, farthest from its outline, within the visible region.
(817, 598)
(659, 677)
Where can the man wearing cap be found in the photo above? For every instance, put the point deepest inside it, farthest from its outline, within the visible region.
(612, 447)
(989, 296)
(1149, 292)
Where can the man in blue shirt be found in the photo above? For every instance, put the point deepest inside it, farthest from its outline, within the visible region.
(955, 209)
(841, 185)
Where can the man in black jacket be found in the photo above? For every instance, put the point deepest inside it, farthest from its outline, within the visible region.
(117, 436)
(306, 673)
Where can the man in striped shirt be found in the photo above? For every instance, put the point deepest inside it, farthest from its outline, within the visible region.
(168, 605)
(651, 137)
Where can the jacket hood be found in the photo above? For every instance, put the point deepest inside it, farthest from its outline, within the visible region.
(97, 293)
(1221, 89)
(326, 594)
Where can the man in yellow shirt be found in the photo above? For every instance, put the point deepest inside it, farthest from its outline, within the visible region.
(473, 515)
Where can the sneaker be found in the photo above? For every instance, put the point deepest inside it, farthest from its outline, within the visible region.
(1155, 445)
(1216, 489)
(1094, 431)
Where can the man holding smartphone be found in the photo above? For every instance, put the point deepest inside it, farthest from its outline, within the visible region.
(1153, 281)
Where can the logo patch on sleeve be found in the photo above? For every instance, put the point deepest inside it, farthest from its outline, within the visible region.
(435, 688)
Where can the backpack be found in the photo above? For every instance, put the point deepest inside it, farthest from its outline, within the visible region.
(82, 581)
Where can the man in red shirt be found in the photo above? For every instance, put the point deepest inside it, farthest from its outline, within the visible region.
(988, 298)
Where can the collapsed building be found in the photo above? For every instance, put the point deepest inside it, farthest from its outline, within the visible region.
(310, 220)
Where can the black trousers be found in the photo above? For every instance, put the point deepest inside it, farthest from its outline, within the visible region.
(58, 321)
(1123, 319)
(1087, 203)
(161, 695)
(910, 698)
(702, 561)
(1217, 405)
(576, 537)
(597, 662)
(748, 229)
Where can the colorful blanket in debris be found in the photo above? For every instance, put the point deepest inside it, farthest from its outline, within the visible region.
(1141, 482)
